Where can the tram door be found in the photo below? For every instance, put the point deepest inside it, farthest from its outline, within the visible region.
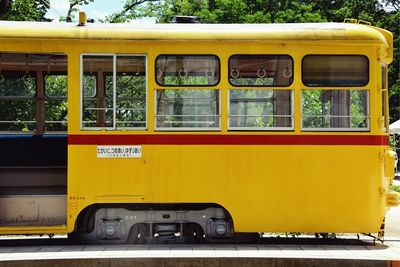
(33, 139)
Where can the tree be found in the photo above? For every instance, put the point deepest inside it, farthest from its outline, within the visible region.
(130, 11)
(24, 10)
(269, 11)
(73, 4)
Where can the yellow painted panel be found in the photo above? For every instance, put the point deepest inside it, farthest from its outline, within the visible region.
(265, 188)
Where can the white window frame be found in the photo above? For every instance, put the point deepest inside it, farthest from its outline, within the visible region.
(114, 108)
(187, 129)
(292, 92)
(336, 129)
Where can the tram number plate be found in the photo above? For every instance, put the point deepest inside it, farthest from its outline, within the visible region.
(119, 152)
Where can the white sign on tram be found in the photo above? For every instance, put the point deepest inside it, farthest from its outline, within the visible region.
(119, 151)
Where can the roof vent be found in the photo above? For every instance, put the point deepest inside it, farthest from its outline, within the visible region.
(185, 19)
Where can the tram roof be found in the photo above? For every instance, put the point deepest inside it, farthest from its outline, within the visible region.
(136, 31)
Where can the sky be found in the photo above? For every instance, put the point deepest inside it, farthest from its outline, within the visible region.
(99, 9)
(96, 10)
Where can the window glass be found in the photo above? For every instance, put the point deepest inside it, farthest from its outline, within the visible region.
(187, 70)
(260, 109)
(89, 83)
(261, 70)
(384, 92)
(187, 109)
(131, 91)
(97, 110)
(383, 76)
(335, 70)
(335, 110)
(17, 84)
(130, 87)
(384, 128)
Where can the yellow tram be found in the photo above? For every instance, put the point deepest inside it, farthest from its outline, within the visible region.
(186, 133)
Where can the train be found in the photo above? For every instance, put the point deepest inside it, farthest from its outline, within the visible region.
(188, 133)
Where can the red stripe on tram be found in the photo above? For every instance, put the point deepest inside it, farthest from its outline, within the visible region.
(211, 139)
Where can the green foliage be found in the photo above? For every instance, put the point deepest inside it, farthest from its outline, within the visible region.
(56, 102)
(28, 10)
(270, 11)
(244, 11)
(17, 89)
(395, 188)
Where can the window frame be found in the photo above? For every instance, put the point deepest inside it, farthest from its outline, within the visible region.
(188, 129)
(260, 86)
(336, 85)
(187, 85)
(286, 129)
(114, 98)
(337, 129)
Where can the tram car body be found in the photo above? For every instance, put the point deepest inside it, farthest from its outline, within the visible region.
(193, 133)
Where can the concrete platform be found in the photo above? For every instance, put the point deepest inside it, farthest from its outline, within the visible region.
(387, 254)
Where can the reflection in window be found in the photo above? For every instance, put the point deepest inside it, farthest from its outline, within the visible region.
(184, 70)
(188, 109)
(260, 109)
(128, 91)
(335, 110)
(261, 70)
(335, 70)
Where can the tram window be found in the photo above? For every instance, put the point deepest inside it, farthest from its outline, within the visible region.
(17, 84)
(260, 70)
(335, 70)
(56, 107)
(335, 110)
(187, 70)
(383, 76)
(384, 92)
(18, 115)
(131, 92)
(97, 111)
(129, 111)
(260, 110)
(17, 91)
(25, 106)
(188, 109)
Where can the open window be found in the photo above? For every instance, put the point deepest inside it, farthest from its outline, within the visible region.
(33, 93)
